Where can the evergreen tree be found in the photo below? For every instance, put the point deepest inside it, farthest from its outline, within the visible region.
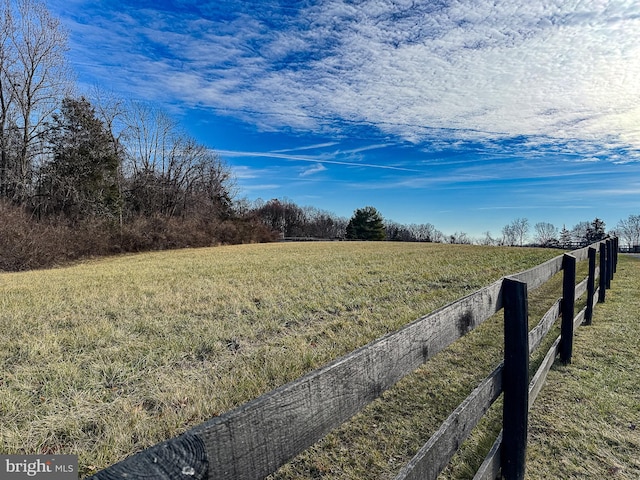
(596, 231)
(366, 224)
(82, 177)
(565, 237)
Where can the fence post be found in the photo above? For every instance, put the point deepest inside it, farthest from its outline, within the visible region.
(603, 272)
(515, 379)
(568, 307)
(616, 246)
(591, 286)
(609, 263)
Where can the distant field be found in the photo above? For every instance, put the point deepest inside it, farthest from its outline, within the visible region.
(105, 358)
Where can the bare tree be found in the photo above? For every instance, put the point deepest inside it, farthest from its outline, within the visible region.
(167, 172)
(488, 239)
(508, 235)
(546, 234)
(33, 80)
(7, 113)
(459, 238)
(629, 230)
(323, 224)
(516, 232)
(150, 139)
(111, 110)
(521, 226)
(425, 232)
(197, 181)
(580, 233)
(283, 216)
(398, 233)
(149, 136)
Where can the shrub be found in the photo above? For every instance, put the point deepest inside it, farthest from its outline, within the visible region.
(28, 243)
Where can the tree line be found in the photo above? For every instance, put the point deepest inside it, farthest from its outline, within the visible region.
(581, 234)
(548, 235)
(291, 221)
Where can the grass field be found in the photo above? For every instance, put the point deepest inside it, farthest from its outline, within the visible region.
(108, 357)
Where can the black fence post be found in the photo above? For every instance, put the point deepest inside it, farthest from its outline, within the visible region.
(568, 307)
(603, 272)
(616, 248)
(591, 286)
(515, 379)
(609, 263)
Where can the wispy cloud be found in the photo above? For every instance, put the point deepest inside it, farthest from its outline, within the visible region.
(307, 147)
(318, 159)
(545, 72)
(317, 168)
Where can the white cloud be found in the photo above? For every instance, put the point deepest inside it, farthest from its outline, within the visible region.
(317, 168)
(333, 158)
(552, 72)
(308, 147)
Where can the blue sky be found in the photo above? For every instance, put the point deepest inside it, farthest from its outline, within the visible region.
(465, 114)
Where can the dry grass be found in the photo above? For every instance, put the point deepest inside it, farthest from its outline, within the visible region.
(377, 442)
(106, 358)
(586, 422)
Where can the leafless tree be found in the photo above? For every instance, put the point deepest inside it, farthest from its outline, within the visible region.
(459, 238)
(516, 232)
(629, 230)
(283, 216)
(580, 233)
(33, 79)
(7, 112)
(546, 234)
(508, 235)
(425, 232)
(168, 172)
(323, 224)
(149, 136)
(488, 239)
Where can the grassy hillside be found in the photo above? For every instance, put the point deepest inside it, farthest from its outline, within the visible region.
(105, 358)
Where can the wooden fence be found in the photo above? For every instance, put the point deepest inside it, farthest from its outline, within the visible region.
(258, 437)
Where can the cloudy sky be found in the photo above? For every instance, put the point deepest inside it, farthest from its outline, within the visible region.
(465, 114)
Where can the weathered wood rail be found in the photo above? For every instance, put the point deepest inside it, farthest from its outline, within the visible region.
(258, 437)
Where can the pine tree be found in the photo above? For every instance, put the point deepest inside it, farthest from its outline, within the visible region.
(596, 231)
(82, 177)
(565, 237)
(366, 224)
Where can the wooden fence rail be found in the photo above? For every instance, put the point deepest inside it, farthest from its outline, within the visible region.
(258, 437)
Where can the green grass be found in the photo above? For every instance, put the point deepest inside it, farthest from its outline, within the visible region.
(105, 358)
